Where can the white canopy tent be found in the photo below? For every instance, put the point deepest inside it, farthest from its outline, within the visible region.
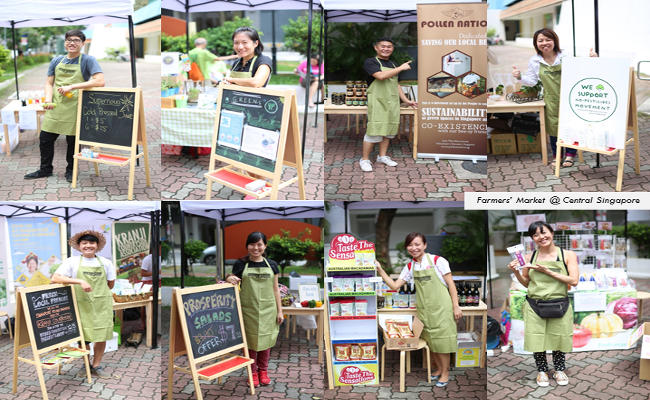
(38, 13)
(84, 211)
(243, 210)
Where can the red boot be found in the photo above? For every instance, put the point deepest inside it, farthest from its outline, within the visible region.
(256, 380)
(264, 378)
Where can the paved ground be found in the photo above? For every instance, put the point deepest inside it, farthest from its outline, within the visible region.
(607, 375)
(410, 181)
(112, 184)
(525, 172)
(139, 371)
(293, 369)
(182, 176)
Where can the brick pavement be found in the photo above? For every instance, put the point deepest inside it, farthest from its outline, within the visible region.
(182, 176)
(293, 369)
(410, 181)
(112, 184)
(139, 371)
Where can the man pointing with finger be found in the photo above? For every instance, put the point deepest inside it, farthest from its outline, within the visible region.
(384, 96)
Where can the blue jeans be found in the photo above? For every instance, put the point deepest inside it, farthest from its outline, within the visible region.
(567, 152)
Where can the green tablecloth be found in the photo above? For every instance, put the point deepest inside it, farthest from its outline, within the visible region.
(187, 126)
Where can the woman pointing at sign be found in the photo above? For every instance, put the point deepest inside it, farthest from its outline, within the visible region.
(436, 298)
(252, 69)
(261, 303)
(546, 67)
(95, 276)
(65, 75)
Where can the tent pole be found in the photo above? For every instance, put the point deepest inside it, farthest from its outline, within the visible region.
(183, 257)
(134, 78)
(67, 231)
(345, 213)
(573, 26)
(187, 26)
(597, 49)
(15, 50)
(308, 77)
(155, 262)
(489, 267)
(320, 80)
(274, 50)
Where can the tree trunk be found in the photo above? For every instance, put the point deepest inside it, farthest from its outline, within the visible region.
(382, 236)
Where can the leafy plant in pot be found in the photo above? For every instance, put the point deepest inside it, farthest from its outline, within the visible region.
(193, 95)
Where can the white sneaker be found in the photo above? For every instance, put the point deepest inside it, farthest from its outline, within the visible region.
(561, 378)
(365, 165)
(542, 379)
(386, 160)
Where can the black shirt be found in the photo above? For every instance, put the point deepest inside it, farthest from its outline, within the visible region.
(238, 268)
(241, 66)
(371, 66)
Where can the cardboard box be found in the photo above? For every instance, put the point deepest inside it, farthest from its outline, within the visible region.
(643, 333)
(111, 345)
(167, 102)
(402, 343)
(503, 143)
(469, 350)
(528, 143)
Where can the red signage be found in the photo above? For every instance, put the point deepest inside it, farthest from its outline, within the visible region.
(343, 246)
(352, 375)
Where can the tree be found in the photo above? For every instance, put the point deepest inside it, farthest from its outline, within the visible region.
(4, 58)
(37, 37)
(296, 34)
(219, 38)
(382, 237)
(284, 249)
(194, 249)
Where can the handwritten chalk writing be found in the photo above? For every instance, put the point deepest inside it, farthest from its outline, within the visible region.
(208, 302)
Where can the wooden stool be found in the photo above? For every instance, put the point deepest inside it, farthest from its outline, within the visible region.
(405, 362)
(4, 314)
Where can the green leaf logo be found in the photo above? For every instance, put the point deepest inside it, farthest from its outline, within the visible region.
(600, 87)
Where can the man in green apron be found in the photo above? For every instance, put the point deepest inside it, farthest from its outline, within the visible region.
(65, 76)
(94, 276)
(384, 96)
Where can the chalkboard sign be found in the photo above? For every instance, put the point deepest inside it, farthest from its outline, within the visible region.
(107, 117)
(249, 128)
(53, 316)
(212, 320)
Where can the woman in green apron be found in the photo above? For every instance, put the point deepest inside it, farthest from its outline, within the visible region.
(546, 66)
(252, 69)
(548, 274)
(95, 277)
(384, 96)
(66, 74)
(436, 301)
(260, 303)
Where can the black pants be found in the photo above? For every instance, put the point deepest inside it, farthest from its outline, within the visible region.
(558, 361)
(47, 140)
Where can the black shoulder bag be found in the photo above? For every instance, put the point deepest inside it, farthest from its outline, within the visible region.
(555, 308)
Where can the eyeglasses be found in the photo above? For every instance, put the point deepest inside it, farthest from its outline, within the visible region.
(76, 41)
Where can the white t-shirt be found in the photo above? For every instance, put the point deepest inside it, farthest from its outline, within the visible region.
(70, 266)
(147, 265)
(441, 266)
(531, 76)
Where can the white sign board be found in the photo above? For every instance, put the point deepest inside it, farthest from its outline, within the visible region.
(170, 63)
(594, 102)
(589, 301)
(524, 221)
(309, 292)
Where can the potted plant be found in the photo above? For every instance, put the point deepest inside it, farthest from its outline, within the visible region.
(193, 95)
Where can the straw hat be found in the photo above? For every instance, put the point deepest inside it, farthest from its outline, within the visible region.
(101, 240)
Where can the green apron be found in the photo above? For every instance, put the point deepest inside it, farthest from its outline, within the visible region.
(259, 307)
(245, 74)
(62, 119)
(434, 309)
(383, 106)
(551, 77)
(541, 334)
(96, 306)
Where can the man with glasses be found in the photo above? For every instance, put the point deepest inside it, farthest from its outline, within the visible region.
(384, 96)
(65, 76)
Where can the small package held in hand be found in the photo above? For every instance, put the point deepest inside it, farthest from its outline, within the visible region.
(517, 253)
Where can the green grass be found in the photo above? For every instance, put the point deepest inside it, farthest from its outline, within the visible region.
(282, 79)
(287, 66)
(189, 281)
(9, 73)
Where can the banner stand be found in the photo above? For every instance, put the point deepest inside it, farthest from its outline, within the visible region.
(632, 124)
